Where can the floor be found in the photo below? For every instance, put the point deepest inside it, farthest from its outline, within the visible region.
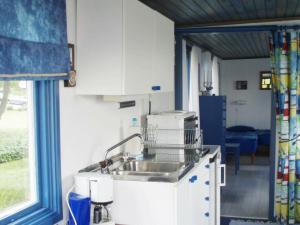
(246, 194)
(251, 223)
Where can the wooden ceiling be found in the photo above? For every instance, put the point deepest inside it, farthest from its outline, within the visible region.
(237, 45)
(212, 12)
(189, 13)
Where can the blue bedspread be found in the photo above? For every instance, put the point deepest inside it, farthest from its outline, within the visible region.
(246, 139)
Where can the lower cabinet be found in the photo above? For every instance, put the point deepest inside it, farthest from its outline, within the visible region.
(193, 196)
(194, 200)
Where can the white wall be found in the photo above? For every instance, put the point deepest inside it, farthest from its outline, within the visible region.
(256, 111)
(89, 126)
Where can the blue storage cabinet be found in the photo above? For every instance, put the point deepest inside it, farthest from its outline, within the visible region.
(213, 121)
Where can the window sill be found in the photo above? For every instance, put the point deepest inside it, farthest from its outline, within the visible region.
(17, 208)
(42, 216)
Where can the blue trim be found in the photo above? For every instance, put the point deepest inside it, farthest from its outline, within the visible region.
(48, 210)
(272, 161)
(178, 72)
(197, 30)
(189, 57)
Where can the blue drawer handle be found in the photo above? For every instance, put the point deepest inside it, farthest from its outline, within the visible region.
(193, 179)
(206, 198)
(207, 182)
(155, 88)
(206, 214)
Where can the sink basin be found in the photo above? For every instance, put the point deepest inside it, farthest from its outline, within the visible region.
(150, 171)
(149, 166)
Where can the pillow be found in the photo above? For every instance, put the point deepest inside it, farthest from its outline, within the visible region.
(240, 129)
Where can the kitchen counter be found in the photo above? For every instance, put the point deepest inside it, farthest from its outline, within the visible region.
(147, 169)
(189, 200)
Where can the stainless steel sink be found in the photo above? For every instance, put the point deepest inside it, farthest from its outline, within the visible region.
(149, 166)
(150, 171)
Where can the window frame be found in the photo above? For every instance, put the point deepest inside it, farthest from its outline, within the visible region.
(48, 209)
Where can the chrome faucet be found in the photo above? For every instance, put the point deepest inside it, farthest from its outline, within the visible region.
(105, 164)
(121, 143)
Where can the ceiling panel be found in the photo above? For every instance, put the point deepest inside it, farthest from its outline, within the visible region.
(191, 12)
(237, 45)
(214, 12)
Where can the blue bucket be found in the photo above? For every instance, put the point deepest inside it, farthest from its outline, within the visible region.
(81, 207)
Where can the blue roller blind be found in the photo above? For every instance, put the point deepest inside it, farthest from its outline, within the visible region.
(33, 40)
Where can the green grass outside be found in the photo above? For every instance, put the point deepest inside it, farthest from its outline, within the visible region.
(14, 183)
(13, 136)
(14, 175)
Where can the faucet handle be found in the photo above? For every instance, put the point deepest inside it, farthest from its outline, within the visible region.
(125, 156)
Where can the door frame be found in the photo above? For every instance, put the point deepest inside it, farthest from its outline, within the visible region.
(179, 34)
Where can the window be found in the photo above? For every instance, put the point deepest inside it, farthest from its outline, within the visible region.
(265, 80)
(17, 150)
(30, 181)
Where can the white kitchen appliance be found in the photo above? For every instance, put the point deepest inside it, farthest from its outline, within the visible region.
(174, 128)
(173, 120)
(176, 121)
(99, 187)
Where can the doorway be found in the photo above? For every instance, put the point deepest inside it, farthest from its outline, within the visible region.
(249, 192)
(247, 139)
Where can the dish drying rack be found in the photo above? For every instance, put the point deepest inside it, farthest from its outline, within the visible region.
(155, 138)
(183, 145)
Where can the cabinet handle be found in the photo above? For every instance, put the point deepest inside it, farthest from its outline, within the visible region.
(207, 182)
(193, 179)
(206, 198)
(155, 88)
(207, 166)
(206, 214)
(222, 168)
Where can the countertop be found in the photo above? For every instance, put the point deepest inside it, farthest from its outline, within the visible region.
(171, 177)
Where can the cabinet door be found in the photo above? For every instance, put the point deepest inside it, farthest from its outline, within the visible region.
(99, 47)
(144, 203)
(139, 38)
(164, 58)
(184, 204)
(199, 194)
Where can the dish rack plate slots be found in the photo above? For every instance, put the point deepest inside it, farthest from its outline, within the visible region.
(154, 138)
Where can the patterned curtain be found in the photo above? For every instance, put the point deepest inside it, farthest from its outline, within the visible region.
(285, 57)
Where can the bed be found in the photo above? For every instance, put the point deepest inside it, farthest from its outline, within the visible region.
(246, 137)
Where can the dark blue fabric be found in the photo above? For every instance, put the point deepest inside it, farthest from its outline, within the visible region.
(264, 137)
(225, 220)
(240, 129)
(247, 140)
(33, 39)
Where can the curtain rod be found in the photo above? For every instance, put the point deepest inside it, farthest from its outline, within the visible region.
(198, 30)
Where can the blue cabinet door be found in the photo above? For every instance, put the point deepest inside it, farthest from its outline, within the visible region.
(213, 121)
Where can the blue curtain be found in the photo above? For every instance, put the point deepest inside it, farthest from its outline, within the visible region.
(33, 40)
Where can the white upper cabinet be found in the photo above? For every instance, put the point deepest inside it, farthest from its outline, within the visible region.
(123, 48)
(164, 60)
